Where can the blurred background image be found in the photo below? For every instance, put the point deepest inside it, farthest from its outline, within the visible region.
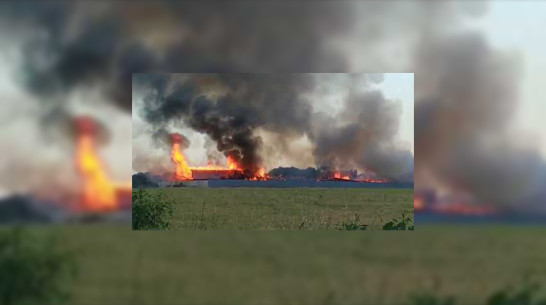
(480, 147)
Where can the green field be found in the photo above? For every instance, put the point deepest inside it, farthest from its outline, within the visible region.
(284, 209)
(119, 266)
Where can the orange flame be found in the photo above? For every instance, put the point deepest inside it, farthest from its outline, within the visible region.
(231, 163)
(98, 193)
(260, 175)
(182, 172)
(338, 175)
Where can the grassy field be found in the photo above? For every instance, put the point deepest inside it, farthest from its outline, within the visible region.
(284, 209)
(120, 266)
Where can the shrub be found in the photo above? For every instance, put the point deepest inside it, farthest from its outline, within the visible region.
(403, 223)
(32, 269)
(151, 211)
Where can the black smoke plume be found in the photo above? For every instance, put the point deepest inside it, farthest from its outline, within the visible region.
(245, 102)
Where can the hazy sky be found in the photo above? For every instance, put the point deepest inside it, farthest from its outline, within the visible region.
(518, 26)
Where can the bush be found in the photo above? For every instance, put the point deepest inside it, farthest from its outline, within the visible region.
(151, 211)
(32, 269)
(402, 223)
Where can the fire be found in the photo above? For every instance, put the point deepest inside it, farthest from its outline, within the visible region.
(338, 175)
(99, 194)
(260, 175)
(231, 163)
(185, 172)
(418, 203)
(182, 171)
(451, 205)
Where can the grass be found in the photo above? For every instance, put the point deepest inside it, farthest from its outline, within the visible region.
(120, 266)
(284, 209)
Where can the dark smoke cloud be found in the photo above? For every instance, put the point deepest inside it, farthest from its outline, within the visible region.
(245, 102)
(71, 45)
(61, 40)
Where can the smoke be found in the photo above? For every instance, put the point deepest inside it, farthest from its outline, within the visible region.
(229, 108)
(363, 136)
(468, 97)
(466, 91)
(69, 46)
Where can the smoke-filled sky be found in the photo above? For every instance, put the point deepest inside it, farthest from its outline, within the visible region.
(478, 77)
(341, 121)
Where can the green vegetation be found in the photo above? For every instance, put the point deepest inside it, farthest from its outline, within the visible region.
(151, 211)
(32, 269)
(527, 294)
(400, 224)
(471, 263)
(284, 209)
(353, 225)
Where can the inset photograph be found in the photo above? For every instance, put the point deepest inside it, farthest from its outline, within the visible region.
(272, 151)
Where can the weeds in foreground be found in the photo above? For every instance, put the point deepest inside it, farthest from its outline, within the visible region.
(403, 223)
(151, 211)
(353, 225)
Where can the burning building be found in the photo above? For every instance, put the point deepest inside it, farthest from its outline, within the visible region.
(184, 172)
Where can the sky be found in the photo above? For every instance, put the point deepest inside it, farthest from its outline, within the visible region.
(400, 86)
(518, 27)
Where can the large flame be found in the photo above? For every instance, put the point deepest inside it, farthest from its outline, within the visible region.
(98, 193)
(182, 171)
(231, 163)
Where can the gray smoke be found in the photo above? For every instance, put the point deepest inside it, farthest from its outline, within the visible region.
(465, 89)
(68, 45)
(363, 137)
(468, 97)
